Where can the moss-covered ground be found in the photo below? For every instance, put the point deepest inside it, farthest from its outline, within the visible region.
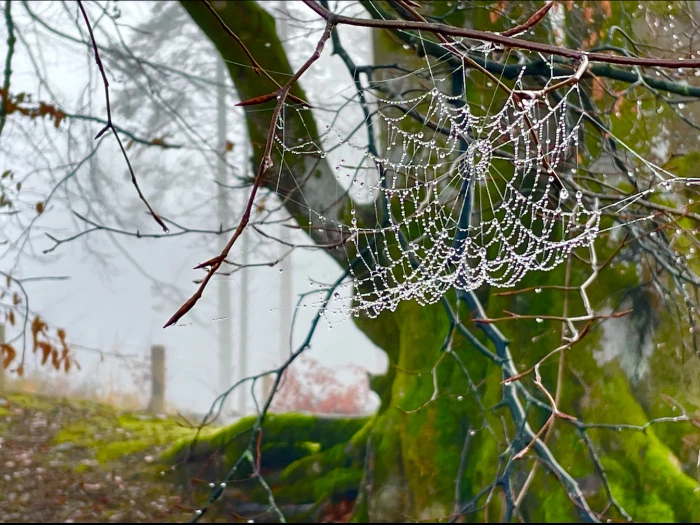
(79, 461)
(67, 460)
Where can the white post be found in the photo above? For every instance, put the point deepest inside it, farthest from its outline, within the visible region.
(2, 368)
(224, 288)
(243, 343)
(285, 296)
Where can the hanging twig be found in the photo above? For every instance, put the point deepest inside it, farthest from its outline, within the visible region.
(109, 125)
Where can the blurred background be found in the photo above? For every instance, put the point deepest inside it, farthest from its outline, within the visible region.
(112, 293)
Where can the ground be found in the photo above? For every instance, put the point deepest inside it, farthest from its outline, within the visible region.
(77, 461)
(67, 460)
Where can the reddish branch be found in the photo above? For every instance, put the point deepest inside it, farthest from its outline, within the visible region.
(109, 125)
(500, 39)
(531, 22)
(215, 263)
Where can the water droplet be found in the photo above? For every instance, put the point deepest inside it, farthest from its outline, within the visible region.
(538, 290)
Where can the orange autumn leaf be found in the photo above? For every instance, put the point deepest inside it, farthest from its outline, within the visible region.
(10, 354)
(598, 89)
(497, 11)
(617, 107)
(45, 351)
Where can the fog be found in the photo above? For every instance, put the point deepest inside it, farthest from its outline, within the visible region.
(120, 290)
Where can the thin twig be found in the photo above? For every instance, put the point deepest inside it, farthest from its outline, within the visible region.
(109, 125)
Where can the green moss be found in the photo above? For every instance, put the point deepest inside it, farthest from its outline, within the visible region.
(110, 436)
(345, 454)
(334, 483)
(279, 430)
(417, 437)
(31, 401)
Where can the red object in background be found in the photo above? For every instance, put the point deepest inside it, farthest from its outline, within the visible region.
(307, 386)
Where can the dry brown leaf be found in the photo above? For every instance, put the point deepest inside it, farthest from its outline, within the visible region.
(598, 89)
(10, 354)
(497, 11)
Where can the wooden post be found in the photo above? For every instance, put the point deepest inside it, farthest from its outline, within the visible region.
(2, 368)
(157, 404)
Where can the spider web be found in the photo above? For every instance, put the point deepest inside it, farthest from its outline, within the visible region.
(478, 223)
(472, 195)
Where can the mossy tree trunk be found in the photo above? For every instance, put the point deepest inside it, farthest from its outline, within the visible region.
(439, 435)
